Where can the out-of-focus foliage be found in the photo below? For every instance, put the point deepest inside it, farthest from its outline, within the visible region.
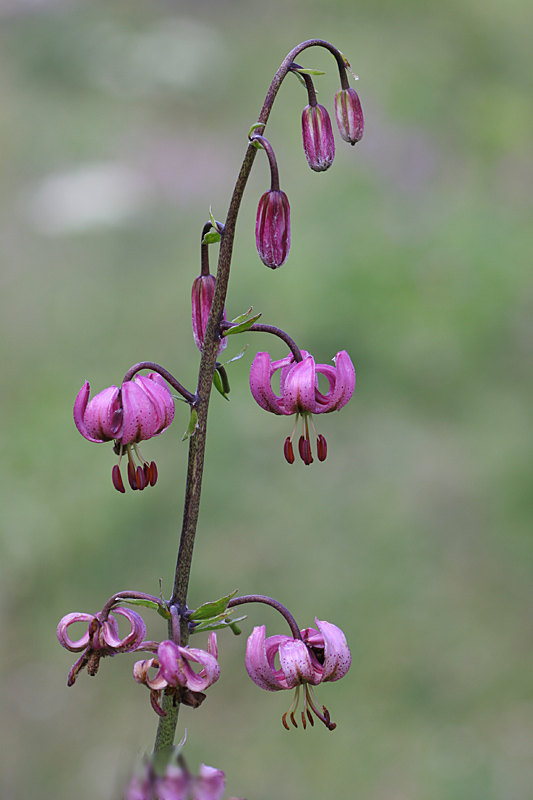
(120, 124)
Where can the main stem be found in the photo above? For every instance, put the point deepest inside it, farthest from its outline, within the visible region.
(167, 724)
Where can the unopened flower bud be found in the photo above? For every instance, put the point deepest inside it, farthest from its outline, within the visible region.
(349, 115)
(203, 290)
(273, 228)
(319, 145)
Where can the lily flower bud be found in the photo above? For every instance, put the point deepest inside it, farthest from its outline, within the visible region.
(349, 115)
(203, 290)
(319, 145)
(273, 228)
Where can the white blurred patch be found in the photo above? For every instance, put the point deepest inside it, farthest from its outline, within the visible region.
(173, 54)
(97, 195)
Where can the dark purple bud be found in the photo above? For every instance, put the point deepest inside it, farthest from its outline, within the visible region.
(319, 145)
(203, 290)
(349, 115)
(273, 229)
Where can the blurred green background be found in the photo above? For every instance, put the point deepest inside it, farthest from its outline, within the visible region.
(120, 123)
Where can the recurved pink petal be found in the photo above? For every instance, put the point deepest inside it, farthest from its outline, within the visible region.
(140, 418)
(341, 383)
(157, 390)
(209, 672)
(295, 663)
(78, 644)
(300, 387)
(100, 419)
(337, 656)
(133, 639)
(260, 386)
(256, 662)
(171, 664)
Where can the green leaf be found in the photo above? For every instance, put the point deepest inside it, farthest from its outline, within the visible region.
(134, 601)
(214, 625)
(193, 424)
(254, 128)
(239, 355)
(303, 71)
(243, 326)
(212, 608)
(302, 81)
(242, 317)
(211, 238)
(212, 219)
(217, 383)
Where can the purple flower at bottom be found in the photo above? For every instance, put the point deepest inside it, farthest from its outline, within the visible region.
(174, 672)
(177, 783)
(300, 395)
(273, 228)
(140, 409)
(100, 639)
(321, 655)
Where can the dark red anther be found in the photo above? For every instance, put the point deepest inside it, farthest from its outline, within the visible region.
(132, 477)
(310, 717)
(288, 451)
(304, 447)
(293, 720)
(321, 448)
(153, 474)
(117, 479)
(304, 721)
(284, 720)
(140, 479)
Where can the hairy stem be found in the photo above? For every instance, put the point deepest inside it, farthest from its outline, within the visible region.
(167, 724)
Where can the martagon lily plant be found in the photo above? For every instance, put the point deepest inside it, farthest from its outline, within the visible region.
(143, 407)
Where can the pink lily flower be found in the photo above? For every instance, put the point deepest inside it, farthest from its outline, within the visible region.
(140, 409)
(174, 672)
(100, 639)
(321, 655)
(300, 395)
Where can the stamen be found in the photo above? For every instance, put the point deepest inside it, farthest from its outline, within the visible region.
(117, 479)
(322, 714)
(304, 721)
(284, 720)
(153, 474)
(132, 476)
(288, 451)
(141, 480)
(321, 448)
